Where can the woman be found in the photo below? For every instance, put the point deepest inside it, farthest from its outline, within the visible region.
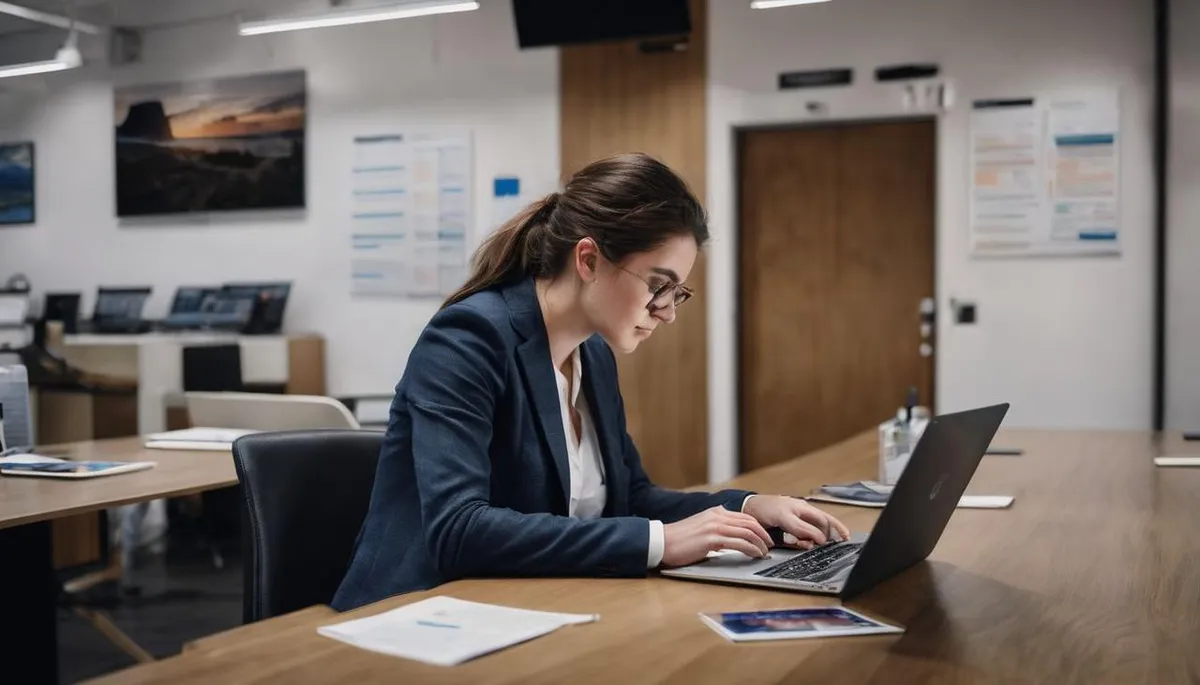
(506, 452)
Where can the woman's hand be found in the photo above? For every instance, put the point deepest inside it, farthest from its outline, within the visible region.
(807, 524)
(690, 540)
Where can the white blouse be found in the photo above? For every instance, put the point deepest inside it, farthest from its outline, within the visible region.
(588, 493)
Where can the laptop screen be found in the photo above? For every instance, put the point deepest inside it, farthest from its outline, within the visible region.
(121, 304)
(193, 300)
(270, 301)
(61, 307)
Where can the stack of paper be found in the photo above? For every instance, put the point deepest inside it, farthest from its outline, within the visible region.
(209, 439)
(445, 631)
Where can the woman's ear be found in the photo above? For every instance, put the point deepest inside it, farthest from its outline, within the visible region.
(587, 258)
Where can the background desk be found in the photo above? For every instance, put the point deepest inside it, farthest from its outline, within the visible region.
(28, 505)
(1093, 576)
(155, 361)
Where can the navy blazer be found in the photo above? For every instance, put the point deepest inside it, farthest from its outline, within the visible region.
(473, 473)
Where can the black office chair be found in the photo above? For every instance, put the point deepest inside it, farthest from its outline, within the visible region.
(212, 368)
(213, 525)
(304, 498)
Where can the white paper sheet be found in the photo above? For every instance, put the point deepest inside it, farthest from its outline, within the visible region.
(446, 631)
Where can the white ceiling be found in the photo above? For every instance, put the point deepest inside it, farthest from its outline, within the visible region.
(88, 9)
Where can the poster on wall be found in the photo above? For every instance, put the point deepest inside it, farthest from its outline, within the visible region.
(204, 146)
(16, 184)
(410, 214)
(1045, 176)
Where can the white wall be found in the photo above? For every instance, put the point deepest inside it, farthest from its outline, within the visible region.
(1183, 227)
(1067, 341)
(451, 73)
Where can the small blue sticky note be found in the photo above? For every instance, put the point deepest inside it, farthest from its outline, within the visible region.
(502, 187)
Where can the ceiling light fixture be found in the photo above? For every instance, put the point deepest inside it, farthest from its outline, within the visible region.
(771, 4)
(357, 15)
(67, 57)
(47, 18)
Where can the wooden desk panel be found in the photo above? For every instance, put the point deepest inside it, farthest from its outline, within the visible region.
(263, 631)
(1091, 577)
(28, 499)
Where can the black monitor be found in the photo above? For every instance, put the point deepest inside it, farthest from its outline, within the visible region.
(269, 301)
(193, 299)
(120, 304)
(192, 308)
(63, 307)
(564, 22)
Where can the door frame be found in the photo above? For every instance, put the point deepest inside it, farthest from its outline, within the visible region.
(736, 132)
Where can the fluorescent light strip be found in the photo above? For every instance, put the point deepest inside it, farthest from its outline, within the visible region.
(356, 16)
(30, 68)
(771, 4)
(46, 18)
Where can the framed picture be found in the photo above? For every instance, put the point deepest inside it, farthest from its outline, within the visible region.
(207, 146)
(17, 202)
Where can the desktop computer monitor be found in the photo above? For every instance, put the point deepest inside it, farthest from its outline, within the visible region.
(192, 307)
(63, 307)
(192, 300)
(119, 310)
(270, 301)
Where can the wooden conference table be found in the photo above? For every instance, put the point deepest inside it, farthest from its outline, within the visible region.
(1093, 576)
(28, 588)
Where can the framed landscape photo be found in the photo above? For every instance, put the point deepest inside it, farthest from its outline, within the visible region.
(208, 146)
(17, 201)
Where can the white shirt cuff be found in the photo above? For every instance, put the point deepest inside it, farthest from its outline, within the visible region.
(658, 545)
(744, 502)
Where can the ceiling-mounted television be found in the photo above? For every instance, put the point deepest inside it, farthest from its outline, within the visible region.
(567, 22)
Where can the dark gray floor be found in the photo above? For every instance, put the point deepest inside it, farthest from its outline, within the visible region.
(182, 598)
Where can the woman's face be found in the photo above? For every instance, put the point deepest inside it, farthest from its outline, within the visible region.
(618, 297)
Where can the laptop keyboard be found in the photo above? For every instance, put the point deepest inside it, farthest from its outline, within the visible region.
(816, 565)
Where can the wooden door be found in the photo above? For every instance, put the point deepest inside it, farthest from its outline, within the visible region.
(617, 98)
(836, 253)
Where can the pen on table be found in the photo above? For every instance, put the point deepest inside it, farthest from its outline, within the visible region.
(435, 624)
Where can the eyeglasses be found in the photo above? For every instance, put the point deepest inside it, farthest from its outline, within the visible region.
(662, 295)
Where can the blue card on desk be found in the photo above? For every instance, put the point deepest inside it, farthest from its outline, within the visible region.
(788, 624)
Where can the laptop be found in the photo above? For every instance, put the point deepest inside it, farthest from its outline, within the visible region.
(907, 530)
(190, 308)
(269, 301)
(119, 310)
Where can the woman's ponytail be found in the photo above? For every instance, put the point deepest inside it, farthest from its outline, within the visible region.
(626, 204)
(508, 254)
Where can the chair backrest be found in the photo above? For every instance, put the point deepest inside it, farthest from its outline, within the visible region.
(304, 498)
(267, 412)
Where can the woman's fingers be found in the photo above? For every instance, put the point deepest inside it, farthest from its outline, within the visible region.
(738, 544)
(748, 536)
(748, 521)
(803, 530)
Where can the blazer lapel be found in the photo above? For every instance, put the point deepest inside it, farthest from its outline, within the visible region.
(538, 372)
(603, 407)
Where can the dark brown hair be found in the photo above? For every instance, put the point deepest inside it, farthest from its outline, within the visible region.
(627, 203)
